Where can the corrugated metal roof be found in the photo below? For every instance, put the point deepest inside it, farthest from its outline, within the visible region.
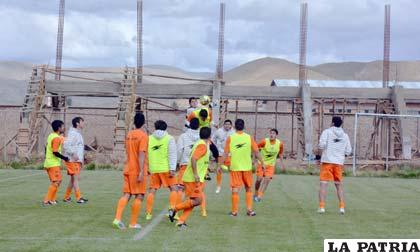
(342, 83)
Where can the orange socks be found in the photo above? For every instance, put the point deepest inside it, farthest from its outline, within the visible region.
(149, 203)
(249, 201)
(235, 202)
(185, 215)
(341, 204)
(219, 179)
(173, 196)
(68, 193)
(77, 194)
(120, 207)
(135, 210)
(52, 191)
(203, 201)
(54, 194)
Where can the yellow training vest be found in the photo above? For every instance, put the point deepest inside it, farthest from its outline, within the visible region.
(205, 123)
(50, 159)
(202, 164)
(158, 154)
(240, 151)
(270, 151)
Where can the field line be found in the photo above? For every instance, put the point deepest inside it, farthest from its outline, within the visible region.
(140, 235)
(58, 238)
(25, 176)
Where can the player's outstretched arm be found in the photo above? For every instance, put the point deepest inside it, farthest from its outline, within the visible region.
(58, 154)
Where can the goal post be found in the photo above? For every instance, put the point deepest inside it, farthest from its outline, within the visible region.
(388, 116)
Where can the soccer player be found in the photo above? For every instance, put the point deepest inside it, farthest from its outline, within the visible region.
(271, 149)
(162, 165)
(193, 178)
(192, 101)
(203, 114)
(219, 139)
(335, 145)
(240, 146)
(74, 148)
(52, 161)
(185, 144)
(135, 173)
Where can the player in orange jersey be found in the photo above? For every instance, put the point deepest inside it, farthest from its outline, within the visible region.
(135, 173)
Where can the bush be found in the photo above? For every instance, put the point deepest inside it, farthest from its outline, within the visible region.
(90, 167)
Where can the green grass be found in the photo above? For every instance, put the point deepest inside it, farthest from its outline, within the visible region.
(286, 219)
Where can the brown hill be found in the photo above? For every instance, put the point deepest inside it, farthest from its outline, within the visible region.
(263, 71)
(399, 70)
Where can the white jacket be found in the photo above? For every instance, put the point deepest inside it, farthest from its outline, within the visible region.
(185, 144)
(74, 145)
(335, 144)
(219, 139)
(171, 148)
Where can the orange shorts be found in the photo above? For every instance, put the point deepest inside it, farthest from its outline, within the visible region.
(73, 168)
(268, 173)
(180, 174)
(331, 172)
(131, 185)
(194, 189)
(54, 173)
(162, 179)
(240, 178)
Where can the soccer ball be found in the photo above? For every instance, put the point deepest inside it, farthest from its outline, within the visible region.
(204, 100)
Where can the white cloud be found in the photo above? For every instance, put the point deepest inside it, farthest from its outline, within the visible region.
(183, 33)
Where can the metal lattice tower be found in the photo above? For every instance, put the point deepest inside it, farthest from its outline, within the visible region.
(302, 43)
(139, 40)
(219, 70)
(387, 46)
(59, 49)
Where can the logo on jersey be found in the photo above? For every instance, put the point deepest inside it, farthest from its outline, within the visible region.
(238, 146)
(156, 147)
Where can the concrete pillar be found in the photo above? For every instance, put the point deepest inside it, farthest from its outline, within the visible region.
(307, 119)
(400, 108)
(217, 90)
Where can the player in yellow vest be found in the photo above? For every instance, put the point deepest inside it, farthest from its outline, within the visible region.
(162, 158)
(203, 115)
(193, 178)
(271, 149)
(240, 146)
(52, 163)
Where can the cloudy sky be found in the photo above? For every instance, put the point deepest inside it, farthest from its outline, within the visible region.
(183, 33)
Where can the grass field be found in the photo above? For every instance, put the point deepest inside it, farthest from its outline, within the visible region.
(286, 219)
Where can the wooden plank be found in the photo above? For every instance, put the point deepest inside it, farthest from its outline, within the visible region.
(257, 92)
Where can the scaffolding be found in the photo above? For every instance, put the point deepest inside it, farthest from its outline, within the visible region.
(300, 112)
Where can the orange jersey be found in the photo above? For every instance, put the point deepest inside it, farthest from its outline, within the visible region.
(262, 144)
(56, 143)
(200, 151)
(135, 142)
(254, 145)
